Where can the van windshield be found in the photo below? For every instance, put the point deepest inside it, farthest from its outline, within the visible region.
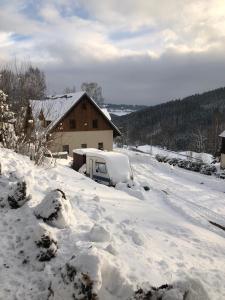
(100, 167)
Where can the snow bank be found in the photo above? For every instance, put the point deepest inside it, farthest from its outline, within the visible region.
(99, 234)
(132, 188)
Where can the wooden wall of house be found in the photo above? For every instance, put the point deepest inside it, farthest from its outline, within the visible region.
(84, 113)
(222, 150)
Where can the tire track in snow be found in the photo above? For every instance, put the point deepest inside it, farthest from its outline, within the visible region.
(199, 214)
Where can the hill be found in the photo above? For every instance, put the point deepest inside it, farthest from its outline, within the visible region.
(192, 123)
(64, 236)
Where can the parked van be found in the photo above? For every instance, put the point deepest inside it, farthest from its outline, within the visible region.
(106, 167)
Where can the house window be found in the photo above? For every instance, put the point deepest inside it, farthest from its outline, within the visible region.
(100, 146)
(100, 167)
(66, 148)
(83, 145)
(72, 123)
(95, 123)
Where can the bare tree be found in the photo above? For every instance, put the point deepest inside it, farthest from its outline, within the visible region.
(94, 91)
(199, 140)
(21, 82)
(69, 90)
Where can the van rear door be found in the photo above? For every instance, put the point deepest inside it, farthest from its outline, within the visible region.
(100, 173)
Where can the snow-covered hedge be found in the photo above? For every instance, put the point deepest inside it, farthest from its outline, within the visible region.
(195, 166)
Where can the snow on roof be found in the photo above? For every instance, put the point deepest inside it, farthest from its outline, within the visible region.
(55, 107)
(83, 151)
(118, 166)
(106, 113)
(222, 134)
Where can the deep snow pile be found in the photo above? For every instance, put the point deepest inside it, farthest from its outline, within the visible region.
(75, 239)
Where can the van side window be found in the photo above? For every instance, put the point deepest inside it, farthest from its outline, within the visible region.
(100, 167)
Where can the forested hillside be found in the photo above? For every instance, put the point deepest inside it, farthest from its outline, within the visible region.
(192, 123)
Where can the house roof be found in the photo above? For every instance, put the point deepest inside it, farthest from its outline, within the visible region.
(54, 108)
(222, 134)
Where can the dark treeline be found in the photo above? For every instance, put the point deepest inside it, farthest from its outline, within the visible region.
(192, 123)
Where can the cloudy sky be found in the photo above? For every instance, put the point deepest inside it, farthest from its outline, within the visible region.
(139, 51)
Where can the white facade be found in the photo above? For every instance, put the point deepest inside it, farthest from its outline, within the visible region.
(79, 139)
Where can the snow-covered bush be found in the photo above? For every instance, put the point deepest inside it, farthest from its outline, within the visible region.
(18, 196)
(173, 161)
(208, 169)
(80, 278)
(195, 166)
(184, 164)
(55, 209)
(161, 158)
(187, 290)
(46, 243)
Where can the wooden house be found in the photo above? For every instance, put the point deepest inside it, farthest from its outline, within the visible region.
(222, 150)
(74, 121)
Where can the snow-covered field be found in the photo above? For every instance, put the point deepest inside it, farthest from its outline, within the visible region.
(122, 237)
(120, 112)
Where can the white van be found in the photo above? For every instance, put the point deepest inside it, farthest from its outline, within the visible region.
(105, 167)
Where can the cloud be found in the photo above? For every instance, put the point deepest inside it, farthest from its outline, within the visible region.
(144, 51)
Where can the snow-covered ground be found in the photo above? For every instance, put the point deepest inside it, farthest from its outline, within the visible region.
(121, 237)
(120, 112)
